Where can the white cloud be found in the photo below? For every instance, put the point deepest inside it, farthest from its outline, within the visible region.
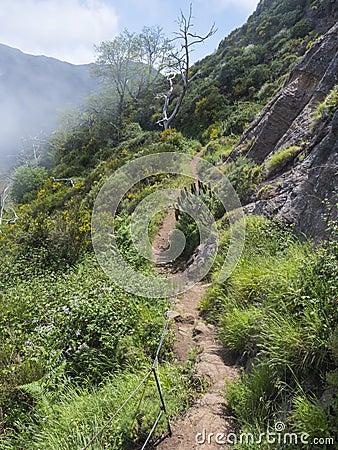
(65, 29)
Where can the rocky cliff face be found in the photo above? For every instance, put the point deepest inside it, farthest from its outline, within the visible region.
(306, 175)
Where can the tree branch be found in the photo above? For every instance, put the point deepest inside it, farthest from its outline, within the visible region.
(67, 180)
(4, 205)
(181, 64)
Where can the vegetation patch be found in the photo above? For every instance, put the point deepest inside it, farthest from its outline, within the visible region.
(218, 150)
(328, 107)
(278, 312)
(281, 158)
(266, 192)
(73, 345)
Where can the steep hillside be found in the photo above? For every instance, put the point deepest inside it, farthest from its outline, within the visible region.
(251, 65)
(33, 90)
(76, 347)
(295, 138)
(277, 59)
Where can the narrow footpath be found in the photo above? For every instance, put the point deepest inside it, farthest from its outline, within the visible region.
(208, 420)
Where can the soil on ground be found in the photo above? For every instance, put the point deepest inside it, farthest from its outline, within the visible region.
(208, 420)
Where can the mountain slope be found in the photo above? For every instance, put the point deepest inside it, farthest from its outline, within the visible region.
(251, 65)
(277, 59)
(295, 138)
(75, 345)
(33, 90)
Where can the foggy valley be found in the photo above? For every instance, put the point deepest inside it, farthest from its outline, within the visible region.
(34, 90)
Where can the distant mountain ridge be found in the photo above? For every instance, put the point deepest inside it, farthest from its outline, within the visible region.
(33, 91)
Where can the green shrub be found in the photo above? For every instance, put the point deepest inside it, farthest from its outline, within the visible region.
(186, 223)
(218, 150)
(266, 192)
(179, 142)
(280, 159)
(27, 183)
(309, 417)
(302, 28)
(239, 116)
(328, 107)
(243, 174)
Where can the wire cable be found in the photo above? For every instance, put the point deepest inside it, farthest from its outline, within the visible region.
(152, 370)
(118, 411)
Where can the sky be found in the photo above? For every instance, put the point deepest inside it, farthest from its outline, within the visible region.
(69, 29)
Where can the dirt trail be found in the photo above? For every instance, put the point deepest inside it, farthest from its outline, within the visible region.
(209, 414)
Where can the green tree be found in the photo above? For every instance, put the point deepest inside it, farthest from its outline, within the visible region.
(131, 63)
(27, 183)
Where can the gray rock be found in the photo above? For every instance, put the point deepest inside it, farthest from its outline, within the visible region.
(188, 318)
(173, 315)
(297, 192)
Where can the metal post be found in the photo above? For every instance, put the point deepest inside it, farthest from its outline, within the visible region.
(162, 399)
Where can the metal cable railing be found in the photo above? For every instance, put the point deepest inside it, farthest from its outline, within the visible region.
(153, 370)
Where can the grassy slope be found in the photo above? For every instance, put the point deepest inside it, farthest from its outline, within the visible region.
(75, 345)
(278, 311)
(71, 340)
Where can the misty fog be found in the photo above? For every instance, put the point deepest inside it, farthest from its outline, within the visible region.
(34, 90)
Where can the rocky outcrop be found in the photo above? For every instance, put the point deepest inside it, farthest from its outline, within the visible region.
(297, 191)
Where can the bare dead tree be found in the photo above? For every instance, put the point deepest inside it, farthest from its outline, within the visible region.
(4, 197)
(4, 206)
(186, 39)
(33, 148)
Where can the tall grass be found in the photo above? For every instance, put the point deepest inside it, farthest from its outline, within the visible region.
(282, 158)
(278, 311)
(70, 422)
